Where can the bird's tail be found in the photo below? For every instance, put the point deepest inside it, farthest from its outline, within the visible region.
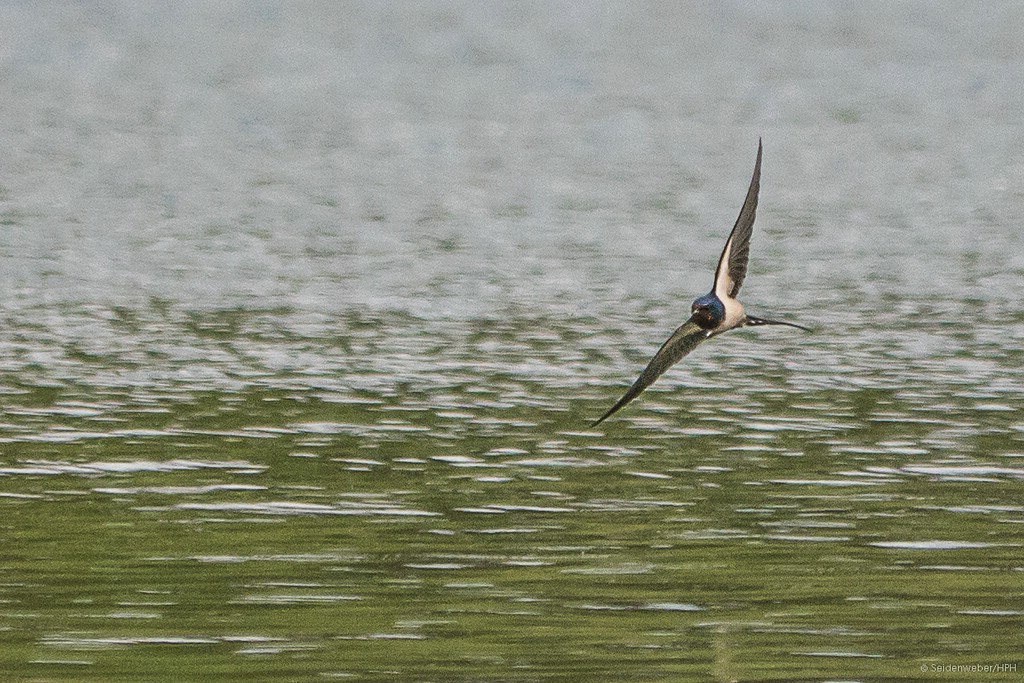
(752, 320)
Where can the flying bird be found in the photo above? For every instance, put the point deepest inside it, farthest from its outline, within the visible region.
(717, 311)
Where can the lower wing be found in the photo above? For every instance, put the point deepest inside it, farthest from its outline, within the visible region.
(682, 341)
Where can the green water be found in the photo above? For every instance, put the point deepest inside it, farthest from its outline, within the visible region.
(305, 311)
(455, 520)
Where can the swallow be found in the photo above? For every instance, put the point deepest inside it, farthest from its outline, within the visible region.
(717, 311)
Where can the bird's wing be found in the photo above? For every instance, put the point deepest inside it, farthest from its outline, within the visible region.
(732, 266)
(682, 341)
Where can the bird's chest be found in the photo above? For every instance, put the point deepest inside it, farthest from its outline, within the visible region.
(734, 315)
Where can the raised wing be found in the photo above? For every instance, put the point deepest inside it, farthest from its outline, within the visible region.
(732, 266)
(682, 341)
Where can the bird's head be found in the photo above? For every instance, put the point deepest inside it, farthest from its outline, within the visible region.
(708, 312)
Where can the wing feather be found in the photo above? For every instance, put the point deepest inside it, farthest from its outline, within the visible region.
(682, 341)
(732, 266)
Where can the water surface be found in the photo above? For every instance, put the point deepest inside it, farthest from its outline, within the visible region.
(305, 315)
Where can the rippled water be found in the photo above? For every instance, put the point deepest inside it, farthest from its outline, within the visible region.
(305, 315)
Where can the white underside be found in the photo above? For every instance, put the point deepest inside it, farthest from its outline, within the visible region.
(734, 315)
(723, 282)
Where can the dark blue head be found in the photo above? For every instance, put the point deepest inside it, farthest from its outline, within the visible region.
(708, 311)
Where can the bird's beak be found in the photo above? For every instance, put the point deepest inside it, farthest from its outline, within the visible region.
(752, 320)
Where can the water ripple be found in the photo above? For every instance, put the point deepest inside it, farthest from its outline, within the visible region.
(293, 508)
(38, 467)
